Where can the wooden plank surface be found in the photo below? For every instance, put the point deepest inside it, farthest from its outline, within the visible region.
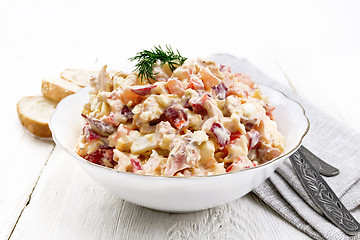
(50, 197)
(66, 204)
(18, 178)
(23, 158)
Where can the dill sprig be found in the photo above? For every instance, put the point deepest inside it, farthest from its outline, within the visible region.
(147, 59)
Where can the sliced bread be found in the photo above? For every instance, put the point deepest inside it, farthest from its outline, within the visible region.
(34, 113)
(57, 88)
(80, 77)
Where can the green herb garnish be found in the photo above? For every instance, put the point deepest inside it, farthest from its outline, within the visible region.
(147, 59)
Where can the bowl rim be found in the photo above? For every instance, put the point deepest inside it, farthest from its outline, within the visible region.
(283, 156)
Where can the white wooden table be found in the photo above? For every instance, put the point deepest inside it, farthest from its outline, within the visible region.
(45, 195)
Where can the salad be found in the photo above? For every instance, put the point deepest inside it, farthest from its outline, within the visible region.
(177, 117)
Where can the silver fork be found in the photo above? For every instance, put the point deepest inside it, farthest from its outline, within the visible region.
(322, 167)
(320, 192)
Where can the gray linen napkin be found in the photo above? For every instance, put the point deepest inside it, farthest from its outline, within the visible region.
(330, 140)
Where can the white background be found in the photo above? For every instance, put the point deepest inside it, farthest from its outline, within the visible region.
(317, 43)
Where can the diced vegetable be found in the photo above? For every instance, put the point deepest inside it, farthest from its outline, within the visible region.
(245, 79)
(111, 119)
(196, 84)
(208, 78)
(220, 90)
(142, 90)
(226, 70)
(269, 111)
(254, 138)
(221, 133)
(197, 104)
(175, 87)
(176, 116)
(234, 136)
(102, 156)
(239, 164)
(90, 134)
(126, 112)
(135, 165)
(128, 95)
(104, 129)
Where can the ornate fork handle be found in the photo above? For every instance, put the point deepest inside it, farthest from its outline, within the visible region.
(323, 196)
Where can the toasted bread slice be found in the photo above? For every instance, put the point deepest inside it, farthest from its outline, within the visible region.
(34, 113)
(57, 88)
(80, 77)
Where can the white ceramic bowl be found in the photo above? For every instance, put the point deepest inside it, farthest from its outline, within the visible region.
(179, 194)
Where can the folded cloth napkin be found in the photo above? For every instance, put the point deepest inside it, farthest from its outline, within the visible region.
(332, 141)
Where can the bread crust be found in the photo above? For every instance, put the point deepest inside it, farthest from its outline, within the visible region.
(80, 77)
(35, 127)
(53, 91)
